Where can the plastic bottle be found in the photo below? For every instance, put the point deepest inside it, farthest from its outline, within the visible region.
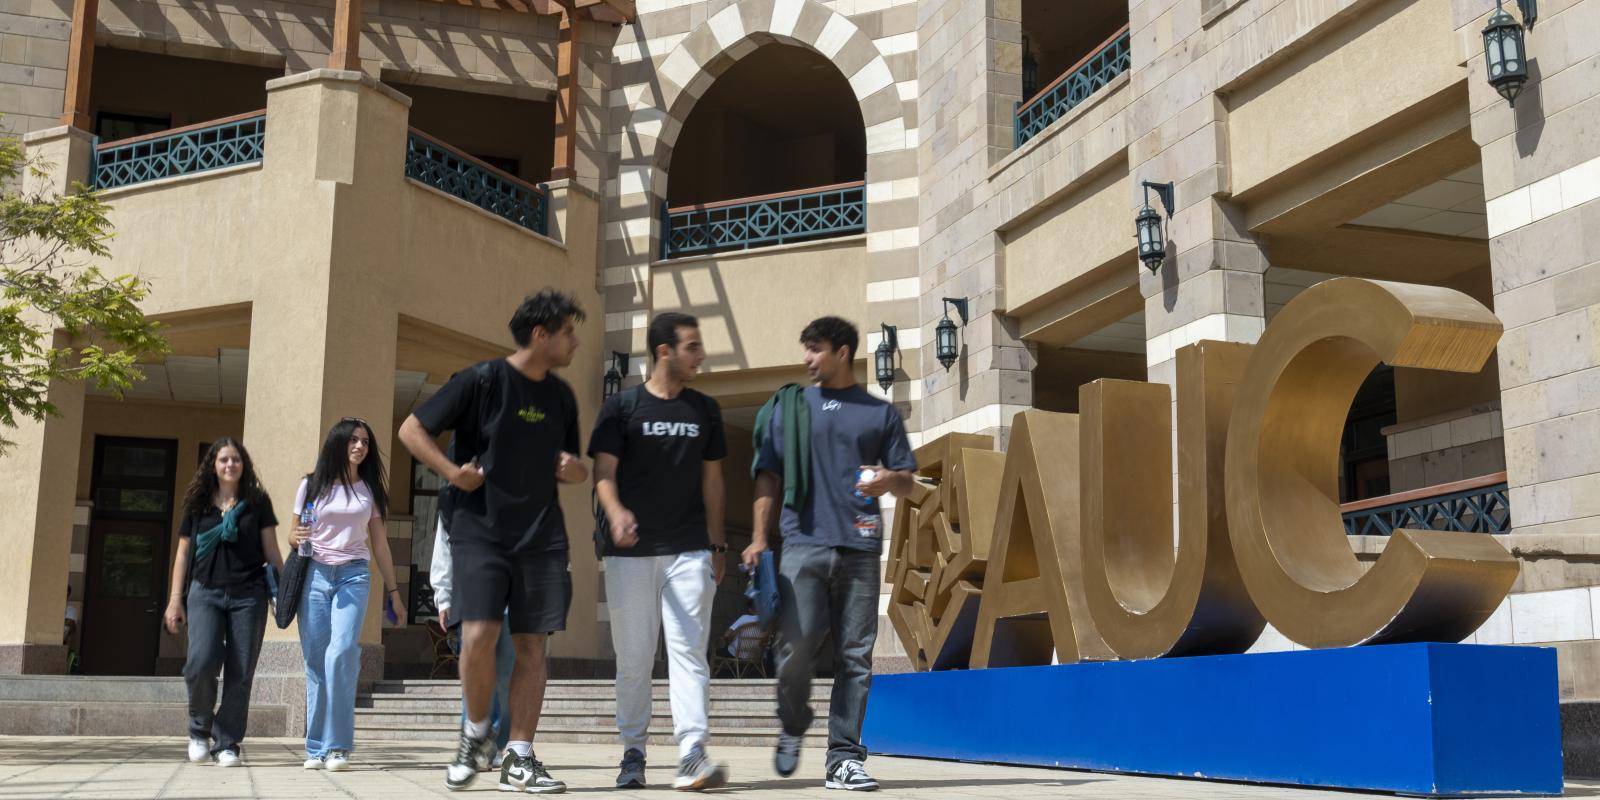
(868, 522)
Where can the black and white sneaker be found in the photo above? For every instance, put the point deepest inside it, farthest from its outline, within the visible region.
(850, 775)
(630, 773)
(472, 756)
(787, 757)
(697, 773)
(526, 774)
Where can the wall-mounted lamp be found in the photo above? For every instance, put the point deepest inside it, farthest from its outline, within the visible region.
(883, 357)
(619, 367)
(1147, 226)
(944, 334)
(1503, 50)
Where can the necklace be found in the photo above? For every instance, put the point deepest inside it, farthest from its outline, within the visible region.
(228, 504)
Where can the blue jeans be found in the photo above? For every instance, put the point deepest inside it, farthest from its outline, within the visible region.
(505, 660)
(330, 617)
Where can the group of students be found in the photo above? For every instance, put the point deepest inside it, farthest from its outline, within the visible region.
(824, 454)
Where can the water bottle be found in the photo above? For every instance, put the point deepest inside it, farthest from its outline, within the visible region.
(308, 519)
(868, 523)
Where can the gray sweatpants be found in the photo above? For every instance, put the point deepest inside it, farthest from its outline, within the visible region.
(823, 590)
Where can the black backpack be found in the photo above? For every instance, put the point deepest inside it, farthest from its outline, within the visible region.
(629, 402)
(470, 446)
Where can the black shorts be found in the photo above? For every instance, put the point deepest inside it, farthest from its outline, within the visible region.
(531, 590)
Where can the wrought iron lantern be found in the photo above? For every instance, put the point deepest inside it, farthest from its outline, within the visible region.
(1503, 50)
(613, 380)
(944, 334)
(883, 357)
(1147, 226)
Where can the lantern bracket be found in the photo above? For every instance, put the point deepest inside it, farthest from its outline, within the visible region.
(960, 304)
(1164, 191)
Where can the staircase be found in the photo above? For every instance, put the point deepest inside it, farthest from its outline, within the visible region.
(742, 712)
(82, 705)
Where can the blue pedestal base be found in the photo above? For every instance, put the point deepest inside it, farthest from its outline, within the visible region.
(1427, 719)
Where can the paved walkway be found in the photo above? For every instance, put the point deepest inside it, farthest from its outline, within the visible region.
(147, 768)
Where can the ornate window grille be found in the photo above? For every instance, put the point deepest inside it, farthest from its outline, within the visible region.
(436, 164)
(1479, 505)
(182, 151)
(1088, 76)
(806, 215)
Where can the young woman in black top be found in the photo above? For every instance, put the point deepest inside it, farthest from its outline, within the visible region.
(226, 539)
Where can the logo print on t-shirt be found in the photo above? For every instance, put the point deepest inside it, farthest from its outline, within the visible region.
(531, 414)
(832, 405)
(689, 429)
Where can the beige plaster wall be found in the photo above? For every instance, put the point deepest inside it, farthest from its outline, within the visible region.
(1392, 55)
(752, 306)
(1068, 238)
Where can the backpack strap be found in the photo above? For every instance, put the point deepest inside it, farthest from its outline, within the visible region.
(627, 402)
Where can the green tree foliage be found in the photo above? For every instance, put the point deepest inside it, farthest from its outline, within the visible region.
(47, 284)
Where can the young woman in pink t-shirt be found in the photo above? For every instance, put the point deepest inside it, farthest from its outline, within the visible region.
(340, 511)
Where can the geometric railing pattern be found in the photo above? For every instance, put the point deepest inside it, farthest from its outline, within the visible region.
(1088, 76)
(436, 164)
(1480, 505)
(801, 216)
(183, 151)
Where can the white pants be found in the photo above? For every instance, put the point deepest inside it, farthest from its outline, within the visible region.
(661, 593)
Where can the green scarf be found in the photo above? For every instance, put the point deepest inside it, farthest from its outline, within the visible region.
(795, 420)
(225, 531)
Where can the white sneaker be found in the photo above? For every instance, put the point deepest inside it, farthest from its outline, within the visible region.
(228, 758)
(313, 763)
(199, 751)
(338, 761)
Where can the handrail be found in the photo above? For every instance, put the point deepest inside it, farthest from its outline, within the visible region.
(1094, 51)
(739, 201)
(477, 162)
(189, 150)
(1400, 498)
(804, 215)
(1475, 505)
(145, 137)
(441, 166)
(1068, 90)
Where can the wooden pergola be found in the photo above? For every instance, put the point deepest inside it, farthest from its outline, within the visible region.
(346, 55)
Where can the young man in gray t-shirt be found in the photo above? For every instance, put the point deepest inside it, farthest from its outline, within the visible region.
(829, 574)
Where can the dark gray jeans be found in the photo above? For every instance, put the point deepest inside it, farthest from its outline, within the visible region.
(826, 590)
(225, 630)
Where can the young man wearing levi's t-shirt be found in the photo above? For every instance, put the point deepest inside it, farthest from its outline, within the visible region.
(658, 451)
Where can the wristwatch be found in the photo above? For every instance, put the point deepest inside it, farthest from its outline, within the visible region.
(719, 548)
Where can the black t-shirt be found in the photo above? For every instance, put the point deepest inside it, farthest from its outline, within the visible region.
(659, 475)
(526, 424)
(235, 563)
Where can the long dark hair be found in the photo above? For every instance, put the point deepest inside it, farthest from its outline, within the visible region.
(203, 486)
(333, 465)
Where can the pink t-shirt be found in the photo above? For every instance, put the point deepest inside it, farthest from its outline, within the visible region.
(340, 535)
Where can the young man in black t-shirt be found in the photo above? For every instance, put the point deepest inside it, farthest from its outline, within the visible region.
(658, 451)
(516, 427)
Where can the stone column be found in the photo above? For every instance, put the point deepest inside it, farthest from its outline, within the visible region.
(39, 475)
(1541, 176)
(324, 324)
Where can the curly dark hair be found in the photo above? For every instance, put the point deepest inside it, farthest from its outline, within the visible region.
(548, 309)
(203, 486)
(837, 332)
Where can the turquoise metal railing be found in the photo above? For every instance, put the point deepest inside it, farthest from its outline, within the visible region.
(434, 163)
(1479, 505)
(1110, 59)
(182, 151)
(801, 216)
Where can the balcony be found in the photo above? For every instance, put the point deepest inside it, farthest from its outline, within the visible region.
(1091, 74)
(436, 164)
(804, 215)
(1476, 505)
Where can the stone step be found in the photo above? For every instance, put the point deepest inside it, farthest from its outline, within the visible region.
(659, 735)
(366, 717)
(102, 718)
(91, 688)
(560, 705)
(730, 689)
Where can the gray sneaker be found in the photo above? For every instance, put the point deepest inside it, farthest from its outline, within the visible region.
(787, 758)
(527, 774)
(630, 774)
(850, 775)
(697, 773)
